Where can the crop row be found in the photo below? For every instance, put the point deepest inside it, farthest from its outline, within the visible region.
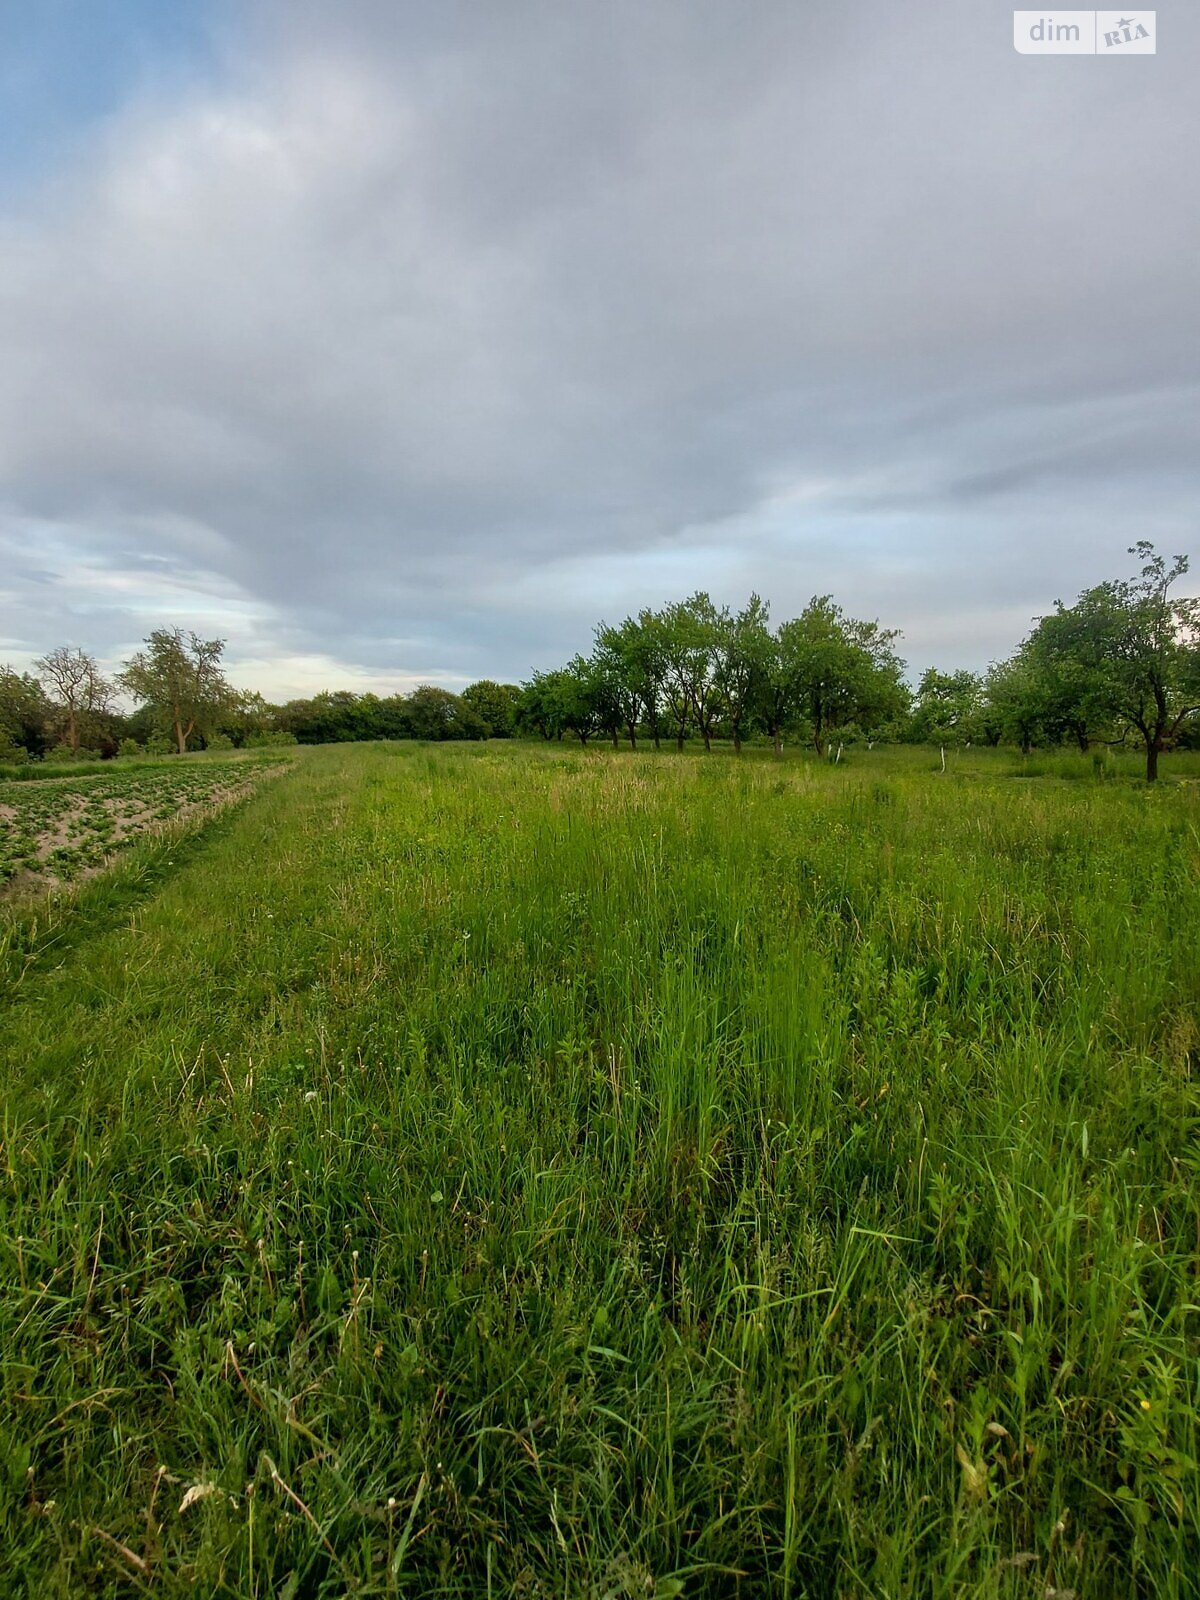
(57, 830)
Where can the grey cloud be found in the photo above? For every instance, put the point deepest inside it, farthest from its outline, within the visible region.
(439, 332)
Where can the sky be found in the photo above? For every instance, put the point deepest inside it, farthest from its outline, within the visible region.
(400, 343)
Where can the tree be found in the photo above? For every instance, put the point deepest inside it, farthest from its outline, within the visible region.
(840, 671)
(1067, 666)
(24, 713)
(615, 660)
(589, 700)
(495, 703)
(690, 636)
(437, 714)
(948, 707)
(644, 650)
(542, 704)
(774, 702)
(744, 657)
(179, 677)
(75, 686)
(1139, 651)
(1018, 699)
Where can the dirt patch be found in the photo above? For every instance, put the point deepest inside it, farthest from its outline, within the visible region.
(63, 833)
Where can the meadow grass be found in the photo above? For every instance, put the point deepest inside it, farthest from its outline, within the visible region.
(494, 1170)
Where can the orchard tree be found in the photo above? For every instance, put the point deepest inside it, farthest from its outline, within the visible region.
(690, 631)
(1017, 699)
(948, 707)
(590, 702)
(1062, 653)
(615, 661)
(1141, 651)
(644, 650)
(744, 657)
(178, 675)
(841, 671)
(775, 691)
(495, 703)
(543, 702)
(75, 687)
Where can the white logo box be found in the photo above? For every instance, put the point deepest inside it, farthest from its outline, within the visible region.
(1085, 33)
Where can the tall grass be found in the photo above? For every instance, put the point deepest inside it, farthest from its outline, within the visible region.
(487, 1171)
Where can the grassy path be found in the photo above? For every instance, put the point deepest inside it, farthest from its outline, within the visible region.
(502, 1171)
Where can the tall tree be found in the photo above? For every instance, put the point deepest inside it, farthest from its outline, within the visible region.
(589, 699)
(691, 632)
(75, 686)
(178, 675)
(543, 703)
(495, 703)
(775, 698)
(1062, 654)
(24, 712)
(616, 660)
(1140, 649)
(948, 707)
(744, 655)
(646, 663)
(842, 671)
(1017, 695)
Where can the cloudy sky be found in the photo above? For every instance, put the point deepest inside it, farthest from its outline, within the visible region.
(398, 342)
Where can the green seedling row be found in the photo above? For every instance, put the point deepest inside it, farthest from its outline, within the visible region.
(55, 831)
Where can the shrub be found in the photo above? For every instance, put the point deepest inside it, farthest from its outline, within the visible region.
(130, 749)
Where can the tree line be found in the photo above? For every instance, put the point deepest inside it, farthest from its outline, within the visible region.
(1122, 664)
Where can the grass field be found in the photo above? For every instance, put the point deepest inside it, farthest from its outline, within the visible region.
(486, 1171)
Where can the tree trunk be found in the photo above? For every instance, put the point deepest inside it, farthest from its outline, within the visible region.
(1085, 744)
(679, 741)
(72, 735)
(777, 741)
(707, 740)
(737, 740)
(633, 736)
(1152, 761)
(616, 739)
(181, 738)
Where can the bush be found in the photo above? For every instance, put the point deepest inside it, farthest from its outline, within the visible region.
(218, 741)
(158, 745)
(266, 738)
(130, 749)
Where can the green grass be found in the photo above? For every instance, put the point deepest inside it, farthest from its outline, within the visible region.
(504, 1171)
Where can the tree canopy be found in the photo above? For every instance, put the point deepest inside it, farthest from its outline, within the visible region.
(178, 676)
(1122, 663)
